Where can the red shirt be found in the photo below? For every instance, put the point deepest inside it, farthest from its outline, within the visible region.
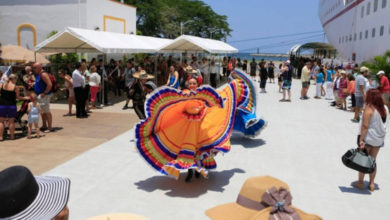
(385, 87)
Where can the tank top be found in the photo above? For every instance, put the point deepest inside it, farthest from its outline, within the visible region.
(7, 97)
(376, 130)
(34, 111)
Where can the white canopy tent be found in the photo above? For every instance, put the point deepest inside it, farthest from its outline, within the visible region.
(73, 40)
(186, 43)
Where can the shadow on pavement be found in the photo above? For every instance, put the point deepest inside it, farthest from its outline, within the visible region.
(247, 142)
(354, 190)
(179, 188)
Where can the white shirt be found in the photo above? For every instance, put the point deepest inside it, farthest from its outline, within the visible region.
(78, 79)
(214, 69)
(94, 79)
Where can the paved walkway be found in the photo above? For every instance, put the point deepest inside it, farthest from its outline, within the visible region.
(302, 145)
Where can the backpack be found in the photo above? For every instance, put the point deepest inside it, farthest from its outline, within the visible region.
(54, 84)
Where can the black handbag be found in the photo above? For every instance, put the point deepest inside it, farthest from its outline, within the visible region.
(359, 160)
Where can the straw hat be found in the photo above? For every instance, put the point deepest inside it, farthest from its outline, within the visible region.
(23, 196)
(261, 198)
(363, 69)
(118, 216)
(189, 69)
(142, 75)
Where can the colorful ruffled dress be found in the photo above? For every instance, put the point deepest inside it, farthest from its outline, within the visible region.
(186, 129)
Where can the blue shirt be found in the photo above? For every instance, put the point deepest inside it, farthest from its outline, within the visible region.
(330, 74)
(320, 77)
(40, 85)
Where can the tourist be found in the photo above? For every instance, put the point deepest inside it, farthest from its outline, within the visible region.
(103, 72)
(336, 82)
(253, 66)
(239, 63)
(305, 79)
(351, 91)
(28, 79)
(328, 83)
(360, 92)
(384, 87)
(229, 66)
(245, 66)
(129, 81)
(205, 71)
(9, 92)
(69, 87)
(325, 73)
(372, 131)
(287, 78)
(139, 93)
(319, 81)
(24, 196)
(33, 115)
(316, 70)
(280, 78)
(69, 68)
(86, 90)
(271, 72)
(78, 88)
(224, 66)
(343, 90)
(213, 74)
(116, 77)
(263, 76)
(43, 88)
(94, 85)
(173, 78)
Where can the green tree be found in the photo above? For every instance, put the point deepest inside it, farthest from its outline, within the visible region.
(379, 63)
(162, 18)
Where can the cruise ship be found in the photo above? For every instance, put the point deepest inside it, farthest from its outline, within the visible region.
(358, 29)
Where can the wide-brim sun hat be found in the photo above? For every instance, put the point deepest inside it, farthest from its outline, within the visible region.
(363, 69)
(118, 216)
(23, 196)
(380, 72)
(261, 198)
(189, 69)
(142, 75)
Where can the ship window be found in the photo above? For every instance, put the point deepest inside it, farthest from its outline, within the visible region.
(368, 8)
(373, 33)
(362, 11)
(350, 37)
(366, 34)
(384, 3)
(382, 30)
(354, 37)
(375, 5)
(361, 35)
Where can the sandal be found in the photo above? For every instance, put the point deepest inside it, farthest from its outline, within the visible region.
(358, 185)
(372, 189)
(355, 120)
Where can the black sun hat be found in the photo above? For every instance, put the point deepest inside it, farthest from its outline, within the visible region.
(23, 196)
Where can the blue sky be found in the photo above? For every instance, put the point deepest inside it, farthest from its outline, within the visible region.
(252, 19)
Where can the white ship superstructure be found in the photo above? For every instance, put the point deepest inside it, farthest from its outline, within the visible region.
(358, 29)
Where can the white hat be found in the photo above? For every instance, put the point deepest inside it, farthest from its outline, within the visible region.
(380, 72)
(288, 61)
(363, 69)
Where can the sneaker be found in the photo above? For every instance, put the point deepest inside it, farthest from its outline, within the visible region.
(302, 98)
(306, 97)
(355, 120)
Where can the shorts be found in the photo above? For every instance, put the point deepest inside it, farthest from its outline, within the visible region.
(305, 84)
(8, 111)
(45, 103)
(286, 84)
(359, 101)
(386, 97)
(33, 119)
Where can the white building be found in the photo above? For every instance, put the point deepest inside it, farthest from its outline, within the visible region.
(29, 22)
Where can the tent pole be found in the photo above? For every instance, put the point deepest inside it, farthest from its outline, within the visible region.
(35, 56)
(155, 68)
(104, 63)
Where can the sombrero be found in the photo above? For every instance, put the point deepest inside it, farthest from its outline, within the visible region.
(118, 216)
(142, 75)
(23, 196)
(189, 69)
(261, 198)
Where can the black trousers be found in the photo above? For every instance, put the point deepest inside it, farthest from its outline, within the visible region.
(101, 94)
(213, 80)
(263, 82)
(139, 110)
(118, 88)
(79, 93)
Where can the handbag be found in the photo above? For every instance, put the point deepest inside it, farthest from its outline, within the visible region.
(359, 160)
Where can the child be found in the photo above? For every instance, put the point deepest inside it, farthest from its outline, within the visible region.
(33, 115)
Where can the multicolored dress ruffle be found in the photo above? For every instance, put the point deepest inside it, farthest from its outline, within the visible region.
(186, 129)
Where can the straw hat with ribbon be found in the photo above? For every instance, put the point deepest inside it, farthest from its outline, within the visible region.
(142, 75)
(23, 196)
(189, 69)
(261, 198)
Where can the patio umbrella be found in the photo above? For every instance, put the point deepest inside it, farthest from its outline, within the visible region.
(14, 53)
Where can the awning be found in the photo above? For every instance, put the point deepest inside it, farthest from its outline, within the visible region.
(19, 54)
(187, 43)
(73, 40)
(312, 45)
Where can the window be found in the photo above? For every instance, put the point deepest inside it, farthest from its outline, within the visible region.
(368, 8)
(384, 3)
(382, 30)
(366, 34)
(361, 35)
(362, 12)
(354, 37)
(375, 5)
(373, 33)
(350, 37)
